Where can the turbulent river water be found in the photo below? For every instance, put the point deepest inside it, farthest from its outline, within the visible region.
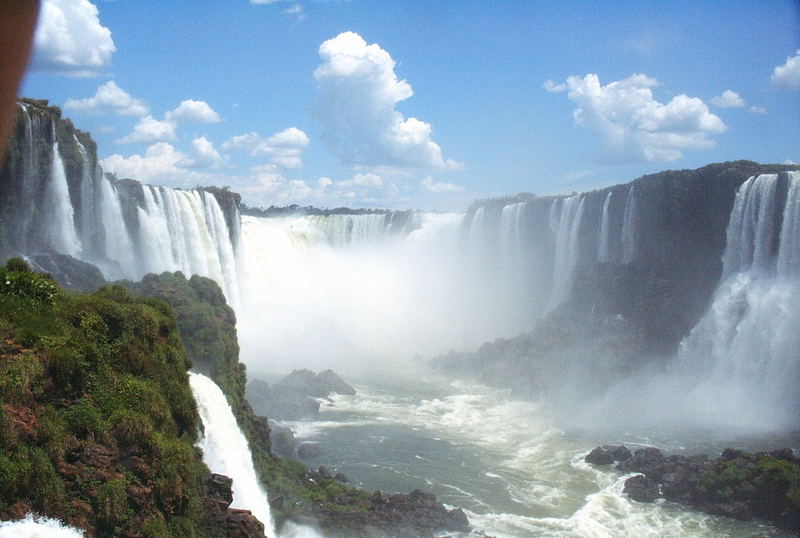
(503, 461)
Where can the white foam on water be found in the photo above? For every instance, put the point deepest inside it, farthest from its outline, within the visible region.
(33, 526)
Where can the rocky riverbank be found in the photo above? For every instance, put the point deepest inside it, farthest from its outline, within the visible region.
(741, 485)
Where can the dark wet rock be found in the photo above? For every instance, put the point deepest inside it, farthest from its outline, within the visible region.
(325, 473)
(330, 382)
(293, 398)
(341, 477)
(641, 489)
(319, 385)
(737, 484)
(68, 271)
(282, 440)
(644, 460)
(307, 451)
(221, 520)
(416, 514)
(607, 454)
(599, 456)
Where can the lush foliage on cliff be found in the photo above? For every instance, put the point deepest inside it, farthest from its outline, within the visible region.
(97, 421)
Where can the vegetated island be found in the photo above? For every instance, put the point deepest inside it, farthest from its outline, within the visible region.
(737, 484)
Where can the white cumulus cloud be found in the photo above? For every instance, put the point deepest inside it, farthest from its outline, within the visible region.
(163, 164)
(358, 92)
(149, 130)
(437, 187)
(70, 39)
(551, 86)
(634, 126)
(158, 161)
(109, 98)
(728, 99)
(284, 148)
(191, 111)
(203, 155)
(787, 75)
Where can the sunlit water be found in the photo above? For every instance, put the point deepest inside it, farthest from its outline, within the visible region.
(501, 460)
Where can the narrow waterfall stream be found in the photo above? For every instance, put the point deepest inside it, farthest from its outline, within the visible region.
(226, 452)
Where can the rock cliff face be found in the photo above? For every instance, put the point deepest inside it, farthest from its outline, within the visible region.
(621, 274)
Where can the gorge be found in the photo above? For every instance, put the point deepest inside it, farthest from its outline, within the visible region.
(662, 310)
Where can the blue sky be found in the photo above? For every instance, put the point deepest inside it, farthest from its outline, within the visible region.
(420, 104)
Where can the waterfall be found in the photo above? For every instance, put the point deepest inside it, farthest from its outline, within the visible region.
(752, 226)
(341, 230)
(603, 254)
(747, 346)
(477, 229)
(789, 248)
(511, 235)
(61, 231)
(565, 221)
(225, 449)
(117, 245)
(629, 224)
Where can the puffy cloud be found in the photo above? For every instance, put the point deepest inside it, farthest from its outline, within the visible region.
(728, 99)
(788, 75)
(635, 126)
(758, 110)
(158, 161)
(191, 111)
(70, 40)
(284, 148)
(149, 130)
(109, 98)
(203, 155)
(358, 92)
(438, 187)
(551, 86)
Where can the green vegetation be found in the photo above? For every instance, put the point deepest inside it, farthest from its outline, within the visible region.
(772, 483)
(97, 421)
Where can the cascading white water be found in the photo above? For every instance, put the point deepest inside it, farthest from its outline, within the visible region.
(118, 245)
(186, 231)
(603, 239)
(511, 235)
(225, 449)
(37, 527)
(789, 248)
(61, 222)
(737, 370)
(341, 230)
(566, 215)
(629, 224)
(748, 345)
